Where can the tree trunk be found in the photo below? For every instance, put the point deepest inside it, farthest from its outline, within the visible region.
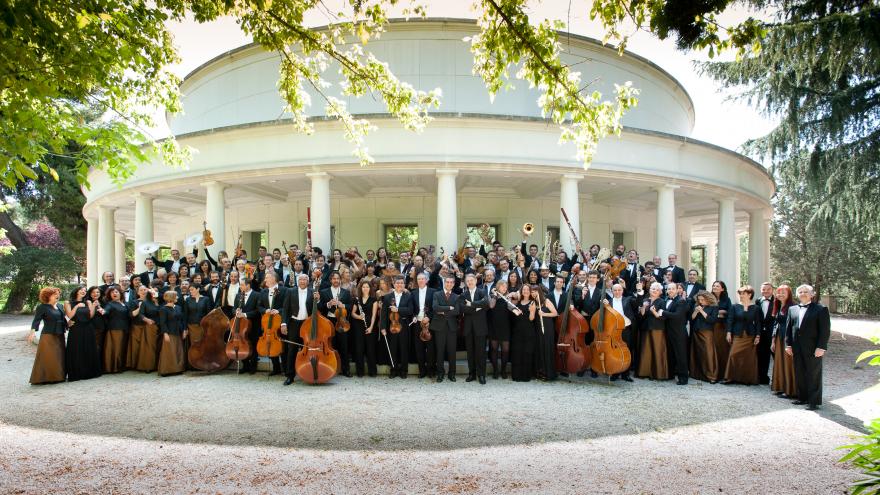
(22, 282)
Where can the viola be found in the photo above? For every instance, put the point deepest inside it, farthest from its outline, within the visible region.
(209, 352)
(610, 353)
(207, 240)
(317, 361)
(572, 354)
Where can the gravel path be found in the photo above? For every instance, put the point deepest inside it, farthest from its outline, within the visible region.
(137, 433)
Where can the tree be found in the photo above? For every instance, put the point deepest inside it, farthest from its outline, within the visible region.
(818, 72)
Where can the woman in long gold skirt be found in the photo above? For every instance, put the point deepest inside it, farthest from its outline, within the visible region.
(135, 339)
(145, 313)
(743, 333)
(117, 321)
(653, 358)
(783, 382)
(703, 359)
(49, 361)
(171, 320)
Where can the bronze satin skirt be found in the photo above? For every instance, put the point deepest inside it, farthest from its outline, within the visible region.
(704, 360)
(114, 351)
(722, 348)
(742, 364)
(148, 352)
(783, 371)
(653, 360)
(135, 338)
(49, 361)
(171, 359)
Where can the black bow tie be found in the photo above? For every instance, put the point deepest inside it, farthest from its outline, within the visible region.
(803, 305)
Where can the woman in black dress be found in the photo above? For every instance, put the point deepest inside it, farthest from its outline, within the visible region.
(545, 334)
(743, 335)
(364, 328)
(171, 326)
(98, 318)
(83, 360)
(719, 332)
(116, 321)
(49, 361)
(499, 330)
(522, 345)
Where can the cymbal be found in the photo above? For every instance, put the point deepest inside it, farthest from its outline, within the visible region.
(148, 247)
(193, 239)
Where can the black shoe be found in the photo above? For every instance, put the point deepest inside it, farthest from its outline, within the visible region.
(288, 381)
(402, 376)
(440, 378)
(561, 373)
(799, 402)
(275, 372)
(451, 378)
(392, 374)
(252, 369)
(495, 374)
(347, 374)
(682, 381)
(581, 373)
(593, 374)
(812, 407)
(470, 378)
(482, 380)
(242, 370)
(504, 374)
(627, 378)
(423, 374)
(614, 378)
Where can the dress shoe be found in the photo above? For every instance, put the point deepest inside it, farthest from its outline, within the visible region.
(347, 374)
(504, 374)
(561, 373)
(593, 374)
(482, 380)
(470, 378)
(423, 374)
(581, 373)
(288, 381)
(799, 402)
(275, 372)
(682, 381)
(451, 378)
(812, 407)
(242, 370)
(495, 374)
(252, 370)
(627, 378)
(614, 378)
(402, 376)
(439, 378)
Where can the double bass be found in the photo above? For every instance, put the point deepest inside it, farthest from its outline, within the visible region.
(610, 353)
(572, 354)
(209, 352)
(317, 361)
(269, 344)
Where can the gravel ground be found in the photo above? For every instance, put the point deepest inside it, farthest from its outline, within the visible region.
(137, 433)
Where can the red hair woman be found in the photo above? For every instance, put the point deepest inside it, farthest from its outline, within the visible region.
(49, 362)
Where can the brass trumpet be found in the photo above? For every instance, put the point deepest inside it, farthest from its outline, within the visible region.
(528, 228)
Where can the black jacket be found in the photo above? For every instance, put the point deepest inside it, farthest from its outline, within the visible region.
(404, 309)
(744, 321)
(675, 316)
(811, 333)
(290, 308)
(445, 312)
(429, 301)
(475, 313)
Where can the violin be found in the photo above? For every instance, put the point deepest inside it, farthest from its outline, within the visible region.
(207, 240)
(209, 353)
(317, 361)
(269, 344)
(394, 318)
(238, 347)
(342, 323)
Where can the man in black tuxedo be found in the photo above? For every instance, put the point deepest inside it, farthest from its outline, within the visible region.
(422, 299)
(247, 306)
(473, 303)
(633, 272)
(331, 298)
(127, 295)
(400, 302)
(765, 304)
(677, 271)
(321, 264)
(150, 274)
(297, 307)
(692, 286)
(444, 326)
(806, 339)
(271, 301)
(213, 291)
(675, 317)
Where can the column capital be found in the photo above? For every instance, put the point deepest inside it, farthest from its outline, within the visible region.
(727, 199)
(110, 208)
(214, 183)
(143, 195)
(448, 172)
(313, 176)
(661, 187)
(571, 177)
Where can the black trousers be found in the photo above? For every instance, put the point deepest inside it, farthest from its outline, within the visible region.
(425, 352)
(676, 339)
(763, 350)
(399, 344)
(476, 353)
(444, 346)
(547, 349)
(293, 328)
(808, 374)
(340, 343)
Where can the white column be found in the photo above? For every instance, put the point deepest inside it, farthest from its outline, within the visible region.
(92, 251)
(569, 200)
(447, 210)
(119, 246)
(759, 248)
(711, 274)
(106, 239)
(727, 242)
(666, 238)
(215, 216)
(143, 227)
(320, 210)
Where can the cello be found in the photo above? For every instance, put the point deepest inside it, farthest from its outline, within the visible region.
(317, 361)
(572, 354)
(610, 353)
(238, 347)
(269, 344)
(209, 353)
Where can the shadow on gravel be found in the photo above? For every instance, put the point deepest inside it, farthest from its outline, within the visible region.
(385, 414)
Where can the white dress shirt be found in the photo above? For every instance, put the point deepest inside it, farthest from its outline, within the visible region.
(302, 295)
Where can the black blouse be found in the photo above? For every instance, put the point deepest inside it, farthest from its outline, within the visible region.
(52, 318)
(195, 310)
(366, 308)
(171, 320)
(707, 322)
(741, 320)
(116, 316)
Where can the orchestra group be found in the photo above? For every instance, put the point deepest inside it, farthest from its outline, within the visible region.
(413, 308)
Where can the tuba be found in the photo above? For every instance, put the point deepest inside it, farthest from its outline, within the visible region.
(528, 228)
